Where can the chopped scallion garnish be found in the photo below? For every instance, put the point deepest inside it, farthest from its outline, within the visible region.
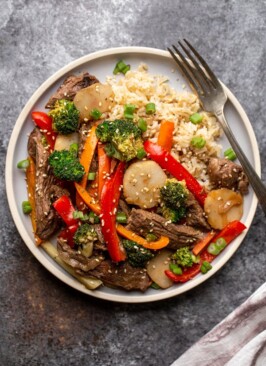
(121, 217)
(205, 267)
(198, 142)
(23, 164)
(230, 154)
(196, 118)
(150, 108)
(141, 153)
(91, 176)
(26, 207)
(142, 124)
(122, 67)
(129, 109)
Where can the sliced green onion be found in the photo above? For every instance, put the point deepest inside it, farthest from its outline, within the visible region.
(151, 237)
(26, 207)
(155, 286)
(221, 244)
(150, 108)
(198, 142)
(230, 154)
(142, 124)
(205, 267)
(91, 176)
(195, 259)
(95, 113)
(121, 217)
(93, 218)
(141, 153)
(121, 67)
(129, 110)
(196, 118)
(213, 249)
(175, 269)
(23, 164)
(78, 215)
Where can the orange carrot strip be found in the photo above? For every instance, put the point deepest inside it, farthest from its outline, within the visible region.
(87, 154)
(154, 245)
(104, 165)
(85, 160)
(165, 137)
(202, 244)
(86, 197)
(30, 178)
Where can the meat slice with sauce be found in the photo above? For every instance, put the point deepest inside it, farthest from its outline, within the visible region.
(71, 86)
(121, 276)
(224, 173)
(195, 214)
(144, 222)
(47, 189)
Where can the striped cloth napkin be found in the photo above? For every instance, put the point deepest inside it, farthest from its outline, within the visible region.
(239, 340)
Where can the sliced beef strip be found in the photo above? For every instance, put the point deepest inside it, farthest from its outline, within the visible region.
(122, 276)
(71, 86)
(143, 222)
(224, 173)
(195, 215)
(123, 206)
(75, 259)
(46, 189)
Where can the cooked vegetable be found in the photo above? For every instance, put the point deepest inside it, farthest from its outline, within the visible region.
(142, 124)
(23, 164)
(137, 255)
(89, 201)
(65, 117)
(175, 268)
(196, 118)
(129, 110)
(96, 114)
(26, 207)
(150, 108)
(45, 123)
(63, 142)
(157, 266)
(104, 165)
(66, 166)
(162, 242)
(84, 238)
(109, 202)
(186, 275)
(68, 234)
(230, 154)
(223, 206)
(168, 162)
(89, 282)
(121, 218)
(96, 96)
(198, 141)
(121, 67)
(123, 139)
(205, 267)
(183, 257)
(142, 182)
(65, 209)
(173, 197)
(165, 137)
(201, 245)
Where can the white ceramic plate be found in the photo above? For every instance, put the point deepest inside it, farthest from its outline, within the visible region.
(101, 64)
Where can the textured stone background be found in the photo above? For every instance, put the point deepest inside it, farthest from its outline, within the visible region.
(44, 322)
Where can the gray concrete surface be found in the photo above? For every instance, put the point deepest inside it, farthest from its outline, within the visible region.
(43, 321)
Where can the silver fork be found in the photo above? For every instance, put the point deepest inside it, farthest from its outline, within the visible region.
(213, 99)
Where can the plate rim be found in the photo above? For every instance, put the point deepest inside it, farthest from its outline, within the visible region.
(39, 252)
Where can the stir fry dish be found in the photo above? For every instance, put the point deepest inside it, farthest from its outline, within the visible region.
(129, 177)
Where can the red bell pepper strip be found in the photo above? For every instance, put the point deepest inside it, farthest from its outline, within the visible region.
(68, 234)
(109, 202)
(229, 233)
(65, 209)
(45, 123)
(168, 162)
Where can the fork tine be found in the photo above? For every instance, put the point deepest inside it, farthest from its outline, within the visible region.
(188, 72)
(204, 80)
(184, 70)
(213, 78)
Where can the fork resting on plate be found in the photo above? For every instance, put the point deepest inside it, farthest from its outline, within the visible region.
(213, 98)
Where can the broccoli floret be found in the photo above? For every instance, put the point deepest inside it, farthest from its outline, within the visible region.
(66, 165)
(183, 257)
(122, 137)
(65, 117)
(173, 197)
(136, 254)
(85, 234)
(84, 238)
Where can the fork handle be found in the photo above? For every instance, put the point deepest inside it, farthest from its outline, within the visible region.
(254, 180)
